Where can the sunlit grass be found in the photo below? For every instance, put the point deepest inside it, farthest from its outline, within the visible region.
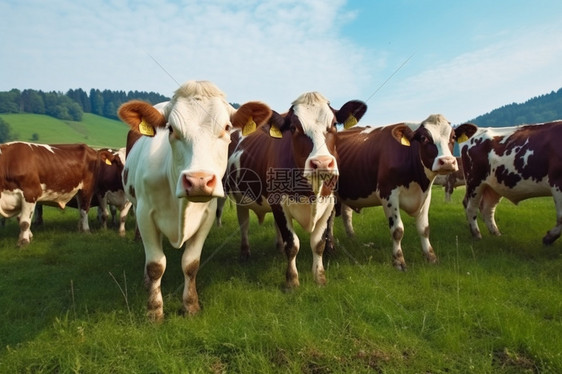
(76, 303)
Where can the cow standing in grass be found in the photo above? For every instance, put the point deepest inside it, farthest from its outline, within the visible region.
(394, 167)
(517, 163)
(290, 167)
(173, 176)
(49, 174)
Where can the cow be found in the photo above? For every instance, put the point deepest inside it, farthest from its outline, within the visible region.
(517, 163)
(395, 166)
(289, 167)
(49, 174)
(114, 196)
(451, 180)
(173, 176)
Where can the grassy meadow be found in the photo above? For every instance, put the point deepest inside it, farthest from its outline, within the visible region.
(75, 303)
(94, 130)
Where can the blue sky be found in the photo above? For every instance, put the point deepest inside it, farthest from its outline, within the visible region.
(406, 58)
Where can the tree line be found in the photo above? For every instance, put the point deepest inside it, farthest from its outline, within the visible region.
(539, 109)
(73, 104)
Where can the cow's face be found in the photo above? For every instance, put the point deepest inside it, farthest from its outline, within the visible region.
(436, 139)
(197, 126)
(312, 123)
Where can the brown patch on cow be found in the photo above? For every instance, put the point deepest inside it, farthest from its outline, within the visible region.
(320, 247)
(154, 271)
(426, 232)
(191, 303)
(398, 233)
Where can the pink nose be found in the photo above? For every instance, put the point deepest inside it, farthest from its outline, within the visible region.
(199, 183)
(322, 163)
(447, 164)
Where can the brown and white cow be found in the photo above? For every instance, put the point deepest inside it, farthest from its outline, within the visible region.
(51, 174)
(395, 166)
(290, 167)
(514, 162)
(173, 175)
(451, 180)
(113, 195)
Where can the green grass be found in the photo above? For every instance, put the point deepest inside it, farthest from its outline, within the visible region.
(72, 302)
(93, 130)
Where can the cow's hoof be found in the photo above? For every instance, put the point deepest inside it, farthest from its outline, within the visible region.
(549, 238)
(23, 243)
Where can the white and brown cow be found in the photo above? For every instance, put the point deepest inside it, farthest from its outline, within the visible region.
(113, 196)
(48, 174)
(513, 162)
(173, 175)
(395, 166)
(290, 167)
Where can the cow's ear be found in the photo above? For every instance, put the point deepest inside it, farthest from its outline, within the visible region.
(250, 116)
(107, 157)
(275, 123)
(403, 134)
(141, 117)
(350, 113)
(465, 132)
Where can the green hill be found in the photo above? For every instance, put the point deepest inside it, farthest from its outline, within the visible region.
(93, 130)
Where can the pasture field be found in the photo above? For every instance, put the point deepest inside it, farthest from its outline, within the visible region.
(94, 130)
(75, 303)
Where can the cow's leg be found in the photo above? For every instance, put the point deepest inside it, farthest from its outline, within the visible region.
(392, 211)
(422, 226)
(243, 214)
(554, 233)
(155, 264)
(190, 262)
(123, 217)
(347, 217)
(292, 246)
(103, 211)
(83, 208)
(490, 200)
(471, 204)
(25, 217)
(279, 243)
(318, 245)
(328, 235)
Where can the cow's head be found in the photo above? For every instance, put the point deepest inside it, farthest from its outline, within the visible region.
(436, 138)
(197, 123)
(311, 122)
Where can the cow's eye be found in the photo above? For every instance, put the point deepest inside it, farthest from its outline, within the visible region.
(171, 132)
(228, 127)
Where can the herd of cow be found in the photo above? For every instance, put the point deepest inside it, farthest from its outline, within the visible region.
(183, 157)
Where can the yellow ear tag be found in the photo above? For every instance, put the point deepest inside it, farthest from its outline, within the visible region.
(146, 129)
(249, 127)
(274, 132)
(462, 138)
(107, 161)
(404, 141)
(350, 122)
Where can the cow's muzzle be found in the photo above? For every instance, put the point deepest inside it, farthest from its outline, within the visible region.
(445, 165)
(199, 185)
(322, 171)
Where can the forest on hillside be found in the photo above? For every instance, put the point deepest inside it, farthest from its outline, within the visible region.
(539, 109)
(72, 104)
